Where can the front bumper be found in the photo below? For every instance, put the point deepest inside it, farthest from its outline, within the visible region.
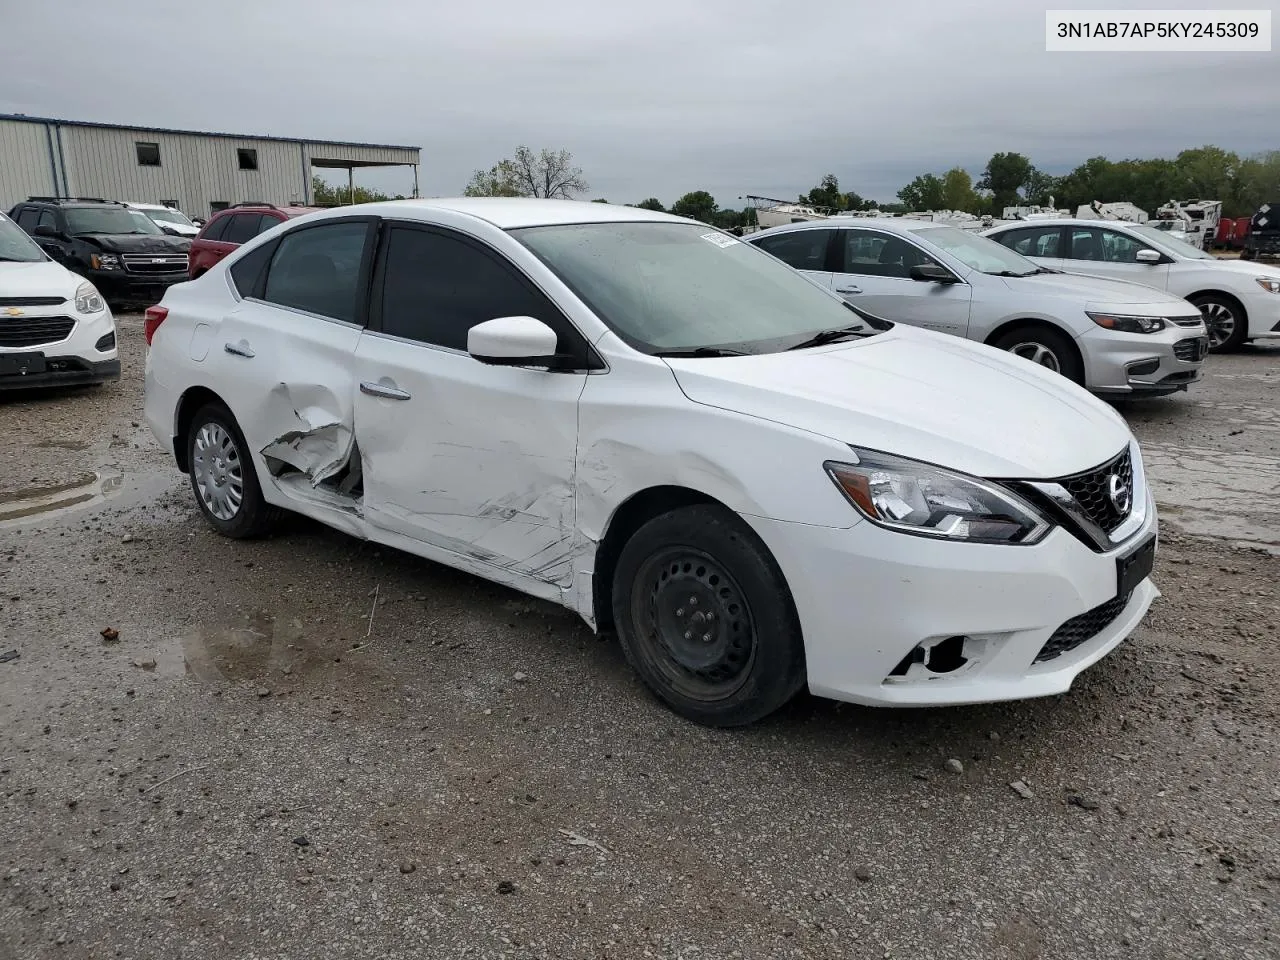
(79, 349)
(1263, 311)
(1142, 363)
(867, 597)
(119, 286)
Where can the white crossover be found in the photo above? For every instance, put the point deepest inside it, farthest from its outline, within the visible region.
(169, 219)
(671, 433)
(1110, 337)
(55, 328)
(1240, 299)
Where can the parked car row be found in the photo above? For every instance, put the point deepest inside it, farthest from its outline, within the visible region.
(758, 482)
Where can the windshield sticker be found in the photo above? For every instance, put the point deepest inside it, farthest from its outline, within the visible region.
(719, 239)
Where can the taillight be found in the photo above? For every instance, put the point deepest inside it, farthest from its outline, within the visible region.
(152, 320)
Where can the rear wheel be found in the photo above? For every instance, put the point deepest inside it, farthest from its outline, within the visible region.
(223, 477)
(706, 618)
(1046, 347)
(1225, 321)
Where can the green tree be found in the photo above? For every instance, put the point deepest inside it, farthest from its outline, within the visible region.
(958, 192)
(696, 205)
(547, 173)
(923, 193)
(1005, 176)
(1039, 187)
(653, 203)
(599, 200)
(325, 195)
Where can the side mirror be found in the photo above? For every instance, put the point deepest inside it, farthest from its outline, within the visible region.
(513, 342)
(1148, 256)
(196, 221)
(44, 230)
(931, 273)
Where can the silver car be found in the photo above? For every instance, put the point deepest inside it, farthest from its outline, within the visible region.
(1109, 336)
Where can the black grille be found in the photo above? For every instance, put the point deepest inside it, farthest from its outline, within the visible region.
(31, 301)
(33, 331)
(153, 263)
(1191, 349)
(1092, 490)
(1082, 629)
(1188, 321)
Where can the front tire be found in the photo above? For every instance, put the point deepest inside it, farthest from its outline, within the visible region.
(1048, 348)
(706, 619)
(1226, 321)
(223, 477)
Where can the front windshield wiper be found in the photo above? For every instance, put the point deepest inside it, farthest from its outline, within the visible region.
(702, 352)
(823, 337)
(1010, 273)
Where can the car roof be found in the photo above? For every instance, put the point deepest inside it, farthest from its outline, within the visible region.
(899, 225)
(1066, 222)
(508, 213)
(289, 212)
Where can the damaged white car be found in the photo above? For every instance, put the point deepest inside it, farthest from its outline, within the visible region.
(671, 433)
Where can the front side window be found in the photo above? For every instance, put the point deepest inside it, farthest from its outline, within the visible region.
(47, 219)
(978, 253)
(1176, 244)
(801, 249)
(1120, 248)
(666, 287)
(317, 269)
(869, 253)
(1086, 244)
(436, 287)
(110, 220)
(148, 154)
(16, 246)
(28, 217)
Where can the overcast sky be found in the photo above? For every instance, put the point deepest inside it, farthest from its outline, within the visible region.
(654, 98)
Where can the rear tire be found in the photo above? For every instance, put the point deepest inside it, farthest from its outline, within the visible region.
(706, 619)
(223, 477)
(1228, 326)
(1046, 347)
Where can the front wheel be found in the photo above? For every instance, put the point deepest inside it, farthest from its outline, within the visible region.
(1045, 347)
(1225, 321)
(706, 619)
(223, 476)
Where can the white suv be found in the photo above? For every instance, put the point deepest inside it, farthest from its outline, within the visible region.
(169, 219)
(55, 328)
(1109, 337)
(1240, 299)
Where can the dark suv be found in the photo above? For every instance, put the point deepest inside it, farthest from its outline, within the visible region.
(229, 228)
(126, 256)
(1264, 233)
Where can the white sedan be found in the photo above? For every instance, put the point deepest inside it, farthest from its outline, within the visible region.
(671, 433)
(1240, 299)
(1111, 337)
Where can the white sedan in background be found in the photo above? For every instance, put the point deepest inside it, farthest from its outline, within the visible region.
(669, 432)
(1110, 337)
(1240, 299)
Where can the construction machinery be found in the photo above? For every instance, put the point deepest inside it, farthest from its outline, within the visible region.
(1198, 218)
(1121, 210)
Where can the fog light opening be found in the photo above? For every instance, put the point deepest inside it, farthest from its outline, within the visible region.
(105, 342)
(946, 656)
(1143, 368)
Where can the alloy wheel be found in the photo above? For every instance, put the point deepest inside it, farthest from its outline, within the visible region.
(1037, 353)
(1221, 321)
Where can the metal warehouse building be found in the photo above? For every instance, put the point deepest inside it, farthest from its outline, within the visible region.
(199, 172)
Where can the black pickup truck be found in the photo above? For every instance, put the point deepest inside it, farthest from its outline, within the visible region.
(1264, 233)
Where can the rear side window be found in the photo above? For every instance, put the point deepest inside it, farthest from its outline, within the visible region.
(243, 227)
(318, 269)
(437, 287)
(215, 230)
(246, 273)
(802, 249)
(1033, 242)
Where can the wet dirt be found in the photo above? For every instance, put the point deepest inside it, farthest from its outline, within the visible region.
(310, 746)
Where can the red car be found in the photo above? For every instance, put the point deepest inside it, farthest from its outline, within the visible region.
(229, 228)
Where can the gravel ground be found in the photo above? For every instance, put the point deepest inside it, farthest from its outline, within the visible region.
(251, 769)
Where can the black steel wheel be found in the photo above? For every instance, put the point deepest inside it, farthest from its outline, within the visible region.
(706, 618)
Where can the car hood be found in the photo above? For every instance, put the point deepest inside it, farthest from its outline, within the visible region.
(181, 229)
(1101, 293)
(137, 243)
(43, 278)
(1243, 268)
(921, 395)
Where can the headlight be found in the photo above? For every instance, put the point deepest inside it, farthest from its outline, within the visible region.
(1269, 285)
(88, 299)
(914, 497)
(1113, 321)
(104, 261)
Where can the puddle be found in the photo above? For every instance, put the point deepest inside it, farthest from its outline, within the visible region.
(265, 649)
(1210, 493)
(47, 501)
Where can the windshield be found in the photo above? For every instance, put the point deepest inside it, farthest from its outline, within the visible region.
(980, 253)
(169, 216)
(114, 220)
(680, 287)
(16, 246)
(1175, 244)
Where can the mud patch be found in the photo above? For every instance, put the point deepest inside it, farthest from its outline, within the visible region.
(56, 498)
(1235, 496)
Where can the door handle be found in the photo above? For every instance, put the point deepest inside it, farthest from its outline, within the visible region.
(383, 390)
(848, 289)
(240, 349)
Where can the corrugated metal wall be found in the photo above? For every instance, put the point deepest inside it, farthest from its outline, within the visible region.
(25, 166)
(195, 170)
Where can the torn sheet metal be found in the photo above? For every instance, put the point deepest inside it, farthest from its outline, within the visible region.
(316, 439)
